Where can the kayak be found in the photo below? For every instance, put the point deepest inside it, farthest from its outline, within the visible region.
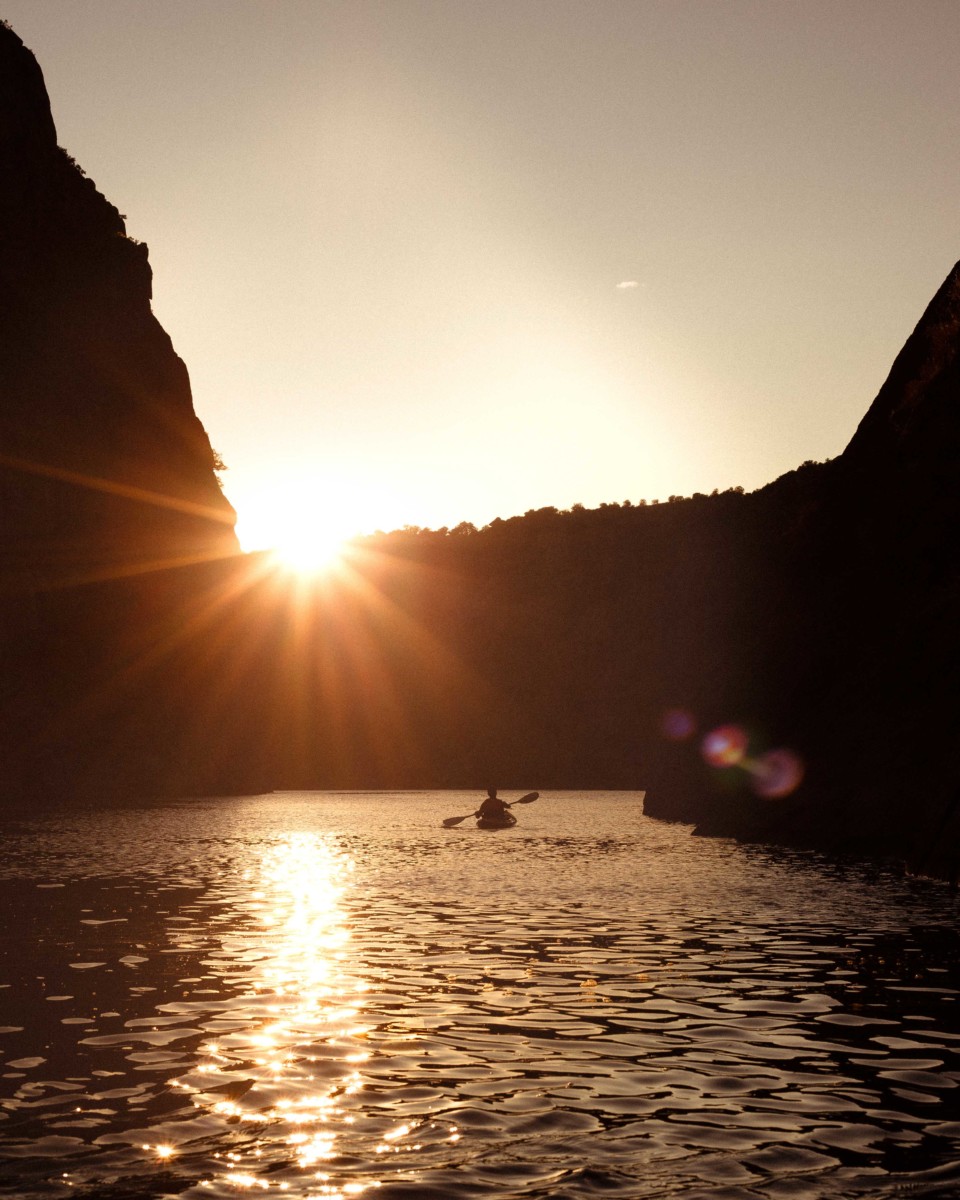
(497, 820)
(502, 822)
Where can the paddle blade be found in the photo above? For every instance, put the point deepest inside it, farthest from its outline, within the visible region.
(451, 821)
(528, 798)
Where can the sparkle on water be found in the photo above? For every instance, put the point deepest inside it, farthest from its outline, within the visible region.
(318, 995)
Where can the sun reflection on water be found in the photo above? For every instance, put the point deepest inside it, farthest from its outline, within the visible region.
(287, 1071)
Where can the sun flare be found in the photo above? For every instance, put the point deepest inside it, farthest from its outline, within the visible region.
(310, 551)
(309, 523)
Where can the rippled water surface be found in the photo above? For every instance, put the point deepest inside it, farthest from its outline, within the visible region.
(327, 995)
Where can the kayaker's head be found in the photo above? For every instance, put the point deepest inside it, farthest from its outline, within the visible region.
(492, 793)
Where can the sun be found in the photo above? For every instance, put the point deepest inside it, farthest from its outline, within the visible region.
(308, 524)
(310, 551)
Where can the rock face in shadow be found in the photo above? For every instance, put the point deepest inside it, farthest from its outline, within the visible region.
(91, 384)
(860, 600)
(105, 470)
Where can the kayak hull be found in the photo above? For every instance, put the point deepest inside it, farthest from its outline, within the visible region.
(506, 822)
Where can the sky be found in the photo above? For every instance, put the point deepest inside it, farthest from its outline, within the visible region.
(433, 261)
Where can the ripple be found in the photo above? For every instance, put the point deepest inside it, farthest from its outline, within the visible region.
(310, 995)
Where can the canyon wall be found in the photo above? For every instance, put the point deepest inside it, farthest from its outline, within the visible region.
(106, 473)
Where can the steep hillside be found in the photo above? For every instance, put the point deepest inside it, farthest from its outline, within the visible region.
(862, 665)
(105, 470)
(103, 455)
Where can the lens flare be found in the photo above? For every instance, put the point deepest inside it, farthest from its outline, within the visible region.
(678, 724)
(776, 773)
(725, 746)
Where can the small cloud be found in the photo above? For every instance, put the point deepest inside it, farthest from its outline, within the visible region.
(627, 284)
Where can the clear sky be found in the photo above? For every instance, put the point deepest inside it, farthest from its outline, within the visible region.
(392, 238)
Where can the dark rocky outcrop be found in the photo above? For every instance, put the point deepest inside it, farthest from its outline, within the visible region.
(100, 442)
(860, 600)
(105, 470)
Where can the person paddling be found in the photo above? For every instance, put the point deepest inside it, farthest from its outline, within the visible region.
(492, 813)
(493, 808)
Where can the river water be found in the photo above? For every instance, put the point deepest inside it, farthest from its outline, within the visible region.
(329, 995)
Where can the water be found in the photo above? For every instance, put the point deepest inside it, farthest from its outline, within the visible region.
(319, 995)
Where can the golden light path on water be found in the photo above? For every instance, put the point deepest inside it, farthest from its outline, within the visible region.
(311, 995)
(305, 1046)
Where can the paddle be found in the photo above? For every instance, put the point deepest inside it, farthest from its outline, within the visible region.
(527, 799)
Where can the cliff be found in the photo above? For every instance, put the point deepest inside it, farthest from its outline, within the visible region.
(105, 462)
(105, 470)
(859, 648)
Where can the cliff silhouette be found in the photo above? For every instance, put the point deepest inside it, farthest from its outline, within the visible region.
(105, 471)
(143, 654)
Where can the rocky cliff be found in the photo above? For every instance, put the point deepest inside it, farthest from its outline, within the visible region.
(106, 472)
(858, 642)
(104, 460)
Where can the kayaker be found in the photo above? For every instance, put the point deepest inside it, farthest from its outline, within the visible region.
(493, 808)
